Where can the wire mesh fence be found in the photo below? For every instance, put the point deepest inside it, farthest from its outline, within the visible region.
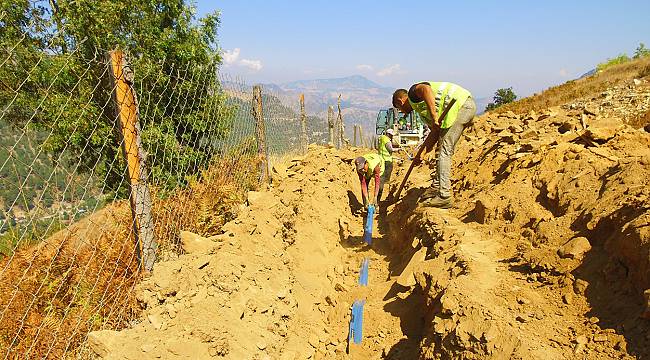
(102, 163)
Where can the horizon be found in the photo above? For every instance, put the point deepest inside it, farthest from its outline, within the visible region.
(280, 42)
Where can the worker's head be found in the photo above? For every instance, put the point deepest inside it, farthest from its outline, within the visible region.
(401, 101)
(390, 133)
(361, 164)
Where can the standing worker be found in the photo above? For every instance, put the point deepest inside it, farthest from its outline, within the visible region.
(385, 150)
(369, 166)
(429, 99)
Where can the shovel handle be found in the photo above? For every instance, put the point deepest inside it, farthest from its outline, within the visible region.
(426, 141)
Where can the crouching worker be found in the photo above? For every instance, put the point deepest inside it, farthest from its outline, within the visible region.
(369, 166)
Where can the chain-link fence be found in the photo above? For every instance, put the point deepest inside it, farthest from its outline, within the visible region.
(103, 162)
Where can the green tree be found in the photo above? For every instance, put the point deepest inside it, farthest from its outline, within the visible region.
(501, 97)
(55, 79)
(641, 51)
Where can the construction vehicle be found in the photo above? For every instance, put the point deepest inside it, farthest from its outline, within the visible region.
(409, 129)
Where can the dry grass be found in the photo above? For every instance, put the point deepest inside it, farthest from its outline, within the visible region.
(576, 89)
(81, 278)
(206, 205)
(54, 293)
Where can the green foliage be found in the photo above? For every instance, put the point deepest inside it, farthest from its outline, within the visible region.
(622, 58)
(55, 81)
(501, 97)
(641, 51)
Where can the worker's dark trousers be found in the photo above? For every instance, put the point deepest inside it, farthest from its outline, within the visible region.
(446, 146)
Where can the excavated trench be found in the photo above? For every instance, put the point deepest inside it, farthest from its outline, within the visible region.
(280, 281)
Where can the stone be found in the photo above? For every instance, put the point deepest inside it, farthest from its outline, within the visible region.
(253, 197)
(580, 286)
(155, 321)
(340, 287)
(601, 134)
(196, 244)
(591, 110)
(581, 340)
(646, 312)
(600, 338)
(261, 345)
(103, 342)
(575, 248)
(567, 298)
(314, 340)
(637, 82)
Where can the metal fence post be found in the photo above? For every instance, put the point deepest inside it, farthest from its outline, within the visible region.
(126, 105)
(303, 125)
(260, 134)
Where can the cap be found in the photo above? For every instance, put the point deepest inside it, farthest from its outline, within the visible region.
(359, 163)
(390, 132)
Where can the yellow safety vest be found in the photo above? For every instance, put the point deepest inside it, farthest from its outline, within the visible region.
(383, 152)
(444, 92)
(373, 160)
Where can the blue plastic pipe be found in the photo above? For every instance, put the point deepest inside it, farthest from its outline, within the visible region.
(363, 273)
(356, 322)
(367, 230)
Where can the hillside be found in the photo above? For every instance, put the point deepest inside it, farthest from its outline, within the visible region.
(544, 255)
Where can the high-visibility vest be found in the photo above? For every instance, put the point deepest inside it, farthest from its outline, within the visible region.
(383, 152)
(444, 92)
(373, 160)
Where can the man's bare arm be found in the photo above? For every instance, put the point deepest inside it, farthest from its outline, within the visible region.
(425, 92)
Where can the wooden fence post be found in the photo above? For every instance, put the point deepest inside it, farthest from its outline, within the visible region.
(126, 113)
(330, 124)
(341, 128)
(354, 140)
(303, 125)
(260, 134)
(361, 135)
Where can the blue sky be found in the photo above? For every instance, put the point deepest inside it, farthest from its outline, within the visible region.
(480, 45)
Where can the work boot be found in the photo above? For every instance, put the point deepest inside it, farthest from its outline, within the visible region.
(439, 202)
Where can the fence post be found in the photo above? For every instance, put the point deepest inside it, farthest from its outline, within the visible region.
(341, 128)
(260, 134)
(361, 135)
(330, 124)
(126, 107)
(354, 140)
(303, 124)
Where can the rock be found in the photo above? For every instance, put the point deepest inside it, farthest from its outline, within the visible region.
(196, 244)
(567, 298)
(581, 340)
(521, 319)
(580, 286)
(637, 82)
(155, 321)
(591, 110)
(601, 134)
(594, 320)
(253, 197)
(600, 338)
(261, 345)
(646, 313)
(523, 301)
(313, 340)
(103, 342)
(575, 248)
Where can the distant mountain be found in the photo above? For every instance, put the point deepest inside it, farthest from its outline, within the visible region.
(361, 98)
